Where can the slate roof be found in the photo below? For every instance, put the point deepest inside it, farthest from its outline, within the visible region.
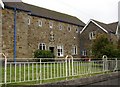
(42, 12)
(111, 27)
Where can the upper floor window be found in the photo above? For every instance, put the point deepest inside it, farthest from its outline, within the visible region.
(77, 30)
(60, 50)
(74, 50)
(60, 26)
(69, 28)
(42, 46)
(39, 23)
(51, 24)
(28, 21)
(92, 35)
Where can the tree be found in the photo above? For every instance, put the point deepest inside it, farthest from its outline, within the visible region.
(103, 46)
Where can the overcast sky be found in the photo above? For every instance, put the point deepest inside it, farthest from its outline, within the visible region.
(102, 10)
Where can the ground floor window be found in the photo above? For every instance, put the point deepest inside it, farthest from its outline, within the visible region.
(74, 50)
(84, 53)
(42, 46)
(60, 50)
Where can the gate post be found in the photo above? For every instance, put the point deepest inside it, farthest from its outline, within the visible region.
(69, 66)
(116, 65)
(105, 63)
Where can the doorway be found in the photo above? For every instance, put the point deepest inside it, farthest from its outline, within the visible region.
(51, 49)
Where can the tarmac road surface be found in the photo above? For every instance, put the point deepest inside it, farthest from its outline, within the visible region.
(115, 81)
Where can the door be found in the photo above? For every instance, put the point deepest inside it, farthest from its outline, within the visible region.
(51, 49)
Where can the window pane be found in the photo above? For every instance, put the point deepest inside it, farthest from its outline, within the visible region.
(43, 47)
(58, 50)
(40, 47)
(40, 23)
(58, 54)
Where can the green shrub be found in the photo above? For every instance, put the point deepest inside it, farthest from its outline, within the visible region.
(44, 54)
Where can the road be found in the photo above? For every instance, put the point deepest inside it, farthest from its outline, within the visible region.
(115, 81)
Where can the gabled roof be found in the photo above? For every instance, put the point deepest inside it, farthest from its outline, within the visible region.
(45, 13)
(108, 28)
(113, 26)
(1, 4)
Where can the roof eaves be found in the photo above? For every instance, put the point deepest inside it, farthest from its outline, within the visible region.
(91, 20)
(100, 26)
(77, 22)
(116, 30)
(1, 4)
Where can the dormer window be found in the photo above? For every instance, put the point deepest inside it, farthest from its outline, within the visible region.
(92, 35)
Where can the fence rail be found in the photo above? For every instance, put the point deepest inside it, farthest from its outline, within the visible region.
(46, 69)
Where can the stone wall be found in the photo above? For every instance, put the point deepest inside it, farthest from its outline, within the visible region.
(85, 43)
(30, 35)
(7, 32)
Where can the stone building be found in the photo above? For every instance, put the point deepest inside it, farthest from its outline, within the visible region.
(93, 28)
(26, 28)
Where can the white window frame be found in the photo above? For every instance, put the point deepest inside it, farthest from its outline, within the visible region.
(43, 46)
(60, 51)
(51, 24)
(28, 21)
(40, 23)
(92, 35)
(74, 50)
(77, 30)
(84, 53)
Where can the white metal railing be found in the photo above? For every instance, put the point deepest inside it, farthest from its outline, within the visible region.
(41, 69)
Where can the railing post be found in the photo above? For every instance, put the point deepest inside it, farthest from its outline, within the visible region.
(5, 68)
(5, 76)
(72, 68)
(105, 63)
(116, 64)
(89, 65)
(40, 72)
(66, 68)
